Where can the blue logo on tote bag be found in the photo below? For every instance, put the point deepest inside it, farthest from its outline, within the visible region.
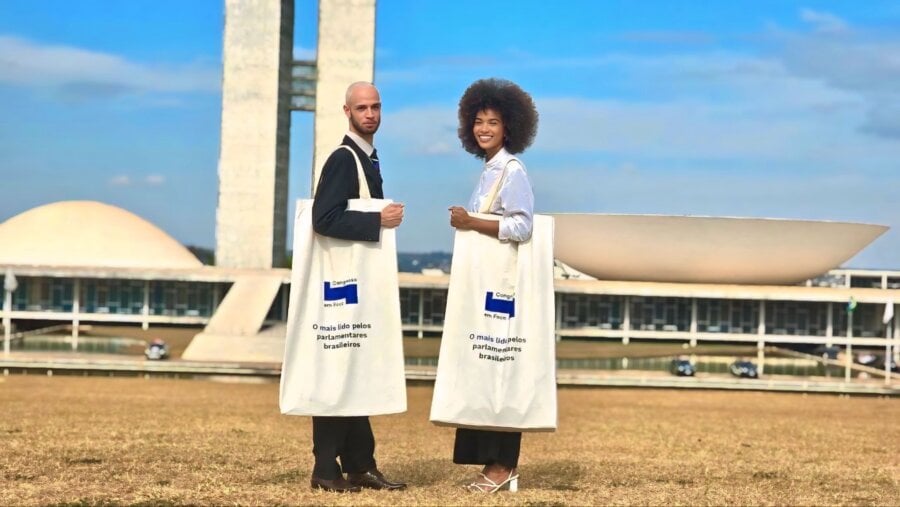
(499, 305)
(347, 293)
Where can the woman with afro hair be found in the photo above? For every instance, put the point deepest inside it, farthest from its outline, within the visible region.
(497, 120)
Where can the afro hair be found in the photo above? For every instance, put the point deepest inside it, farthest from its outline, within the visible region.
(515, 106)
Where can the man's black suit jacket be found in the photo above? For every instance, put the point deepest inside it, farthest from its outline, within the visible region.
(338, 183)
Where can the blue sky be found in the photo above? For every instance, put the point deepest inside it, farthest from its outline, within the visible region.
(757, 108)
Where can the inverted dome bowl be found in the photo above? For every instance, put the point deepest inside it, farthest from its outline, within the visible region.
(694, 249)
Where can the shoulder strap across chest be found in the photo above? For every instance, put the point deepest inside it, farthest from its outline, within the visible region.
(495, 190)
(364, 192)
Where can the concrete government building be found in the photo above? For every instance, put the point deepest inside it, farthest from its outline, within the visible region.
(619, 277)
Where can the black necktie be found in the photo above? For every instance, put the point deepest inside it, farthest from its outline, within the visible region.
(375, 163)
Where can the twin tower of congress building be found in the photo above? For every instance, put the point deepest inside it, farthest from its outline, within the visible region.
(623, 278)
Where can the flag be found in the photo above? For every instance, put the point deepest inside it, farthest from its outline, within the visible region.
(851, 305)
(888, 311)
(10, 284)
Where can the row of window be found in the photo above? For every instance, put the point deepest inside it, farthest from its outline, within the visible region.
(427, 307)
(121, 297)
(716, 315)
(427, 304)
(839, 279)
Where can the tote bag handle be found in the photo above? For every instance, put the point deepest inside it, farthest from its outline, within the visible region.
(363, 183)
(495, 190)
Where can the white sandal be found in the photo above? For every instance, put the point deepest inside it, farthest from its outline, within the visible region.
(489, 486)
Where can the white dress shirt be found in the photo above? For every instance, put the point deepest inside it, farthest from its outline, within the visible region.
(363, 145)
(515, 200)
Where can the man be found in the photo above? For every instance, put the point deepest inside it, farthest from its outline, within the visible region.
(351, 438)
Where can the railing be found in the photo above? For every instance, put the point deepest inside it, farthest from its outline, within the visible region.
(800, 366)
(20, 336)
(102, 345)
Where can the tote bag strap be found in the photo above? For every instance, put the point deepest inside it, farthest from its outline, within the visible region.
(363, 183)
(495, 190)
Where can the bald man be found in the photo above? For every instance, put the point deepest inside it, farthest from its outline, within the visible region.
(351, 438)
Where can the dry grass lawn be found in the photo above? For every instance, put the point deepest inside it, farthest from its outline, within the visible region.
(79, 441)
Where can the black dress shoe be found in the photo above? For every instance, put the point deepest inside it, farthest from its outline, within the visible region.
(375, 480)
(339, 485)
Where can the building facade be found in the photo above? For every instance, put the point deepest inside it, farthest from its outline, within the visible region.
(816, 312)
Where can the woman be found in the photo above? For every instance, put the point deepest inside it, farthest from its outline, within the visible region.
(497, 119)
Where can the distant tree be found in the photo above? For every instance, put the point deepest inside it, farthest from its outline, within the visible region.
(416, 262)
(206, 255)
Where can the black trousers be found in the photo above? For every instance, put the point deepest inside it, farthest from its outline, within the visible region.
(481, 447)
(347, 438)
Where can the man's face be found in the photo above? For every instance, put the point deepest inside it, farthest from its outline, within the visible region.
(363, 109)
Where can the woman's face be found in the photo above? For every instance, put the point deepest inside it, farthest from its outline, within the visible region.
(489, 130)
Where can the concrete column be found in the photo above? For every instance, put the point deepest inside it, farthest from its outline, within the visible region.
(420, 333)
(345, 54)
(761, 357)
(7, 321)
(257, 52)
(895, 345)
(558, 304)
(848, 360)
(145, 311)
(829, 328)
(626, 321)
(761, 326)
(76, 310)
(887, 350)
(693, 322)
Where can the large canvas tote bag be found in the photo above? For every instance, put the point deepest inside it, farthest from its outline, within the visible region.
(497, 365)
(344, 347)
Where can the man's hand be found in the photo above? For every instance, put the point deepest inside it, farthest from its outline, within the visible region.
(459, 218)
(392, 215)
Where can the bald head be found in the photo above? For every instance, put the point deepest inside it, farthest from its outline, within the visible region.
(363, 109)
(356, 88)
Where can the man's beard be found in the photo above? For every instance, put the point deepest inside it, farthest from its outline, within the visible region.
(363, 130)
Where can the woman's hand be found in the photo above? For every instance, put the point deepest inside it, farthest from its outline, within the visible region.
(459, 218)
(463, 221)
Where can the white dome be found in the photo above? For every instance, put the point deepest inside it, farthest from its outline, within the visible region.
(89, 234)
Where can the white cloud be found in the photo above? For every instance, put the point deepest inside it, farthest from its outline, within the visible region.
(779, 121)
(155, 179)
(821, 97)
(834, 66)
(429, 130)
(824, 21)
(150, 180)
(860, 61)
(120, 181)
(687, 37)
(303, 53)
(851, 63)
(720, 134)
(438, 148)
(85, 74)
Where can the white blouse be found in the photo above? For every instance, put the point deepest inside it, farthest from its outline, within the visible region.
(515, 200)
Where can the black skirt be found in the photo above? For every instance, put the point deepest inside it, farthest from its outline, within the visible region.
(482, 447)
